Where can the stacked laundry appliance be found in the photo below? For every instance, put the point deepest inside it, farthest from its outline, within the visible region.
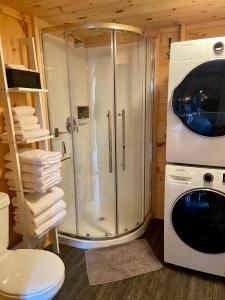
(194, 231)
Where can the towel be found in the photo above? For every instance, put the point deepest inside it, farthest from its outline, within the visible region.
(45, 227)
(28, 177)
(37, 157)
(36, 170)
(23, 110)
(38, 203)
(42, 218)
(19, 128)
(42, 188)
(25, 135)
(38, 180)
(25, 120)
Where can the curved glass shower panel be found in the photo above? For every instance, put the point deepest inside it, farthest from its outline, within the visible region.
(56, 75)
(90, 63)
(130, 75)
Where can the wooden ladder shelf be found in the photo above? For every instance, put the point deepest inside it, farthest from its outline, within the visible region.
(28, 241)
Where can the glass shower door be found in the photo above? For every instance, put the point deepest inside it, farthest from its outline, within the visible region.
(56, 74)
(130, 128)
(92, 105)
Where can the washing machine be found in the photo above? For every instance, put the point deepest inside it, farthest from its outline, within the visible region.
(196, 103)
(194, 234)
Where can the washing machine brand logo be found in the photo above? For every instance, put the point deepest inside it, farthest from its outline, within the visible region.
(186, 45)
(180, 170)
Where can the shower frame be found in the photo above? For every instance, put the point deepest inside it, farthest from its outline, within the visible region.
(86, 243)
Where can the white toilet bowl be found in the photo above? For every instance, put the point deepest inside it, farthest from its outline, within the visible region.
(30, 274)
(26, 273)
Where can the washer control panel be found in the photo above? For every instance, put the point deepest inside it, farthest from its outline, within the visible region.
(196, 177)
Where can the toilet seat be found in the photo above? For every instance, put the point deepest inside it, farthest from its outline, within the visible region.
(30, 274)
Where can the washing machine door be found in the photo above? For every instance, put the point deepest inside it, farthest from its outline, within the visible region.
(198, 218)
(199, 100)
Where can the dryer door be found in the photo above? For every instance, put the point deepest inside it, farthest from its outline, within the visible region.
(198, 217)
(199, 100)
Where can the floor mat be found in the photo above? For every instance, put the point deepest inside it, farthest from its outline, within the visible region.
(119, 262)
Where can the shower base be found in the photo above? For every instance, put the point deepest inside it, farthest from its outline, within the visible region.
(95, 243)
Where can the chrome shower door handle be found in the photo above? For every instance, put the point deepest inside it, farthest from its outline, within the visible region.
(123, 140)
(109, 116)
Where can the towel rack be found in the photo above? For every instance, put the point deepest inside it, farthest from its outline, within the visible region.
(28, 241)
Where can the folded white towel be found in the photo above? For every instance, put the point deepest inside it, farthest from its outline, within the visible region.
(19, 128)
(37, 157)
(37, 180)
(36, 170)
(25, 120)
(25, 135)
(23, 110)
(45, 227)
(45, 216)
(42, 188)
(38, 203)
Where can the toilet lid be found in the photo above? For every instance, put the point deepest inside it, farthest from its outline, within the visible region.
(27, 272)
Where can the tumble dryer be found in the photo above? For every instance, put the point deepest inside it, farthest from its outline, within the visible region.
(194, 234)
(196, 103)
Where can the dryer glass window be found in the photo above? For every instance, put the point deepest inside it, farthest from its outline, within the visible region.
(198, 218)
(199, 100)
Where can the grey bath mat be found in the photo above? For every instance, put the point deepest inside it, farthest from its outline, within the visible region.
(119, 262)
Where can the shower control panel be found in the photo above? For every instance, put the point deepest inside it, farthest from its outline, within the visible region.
(83, 115)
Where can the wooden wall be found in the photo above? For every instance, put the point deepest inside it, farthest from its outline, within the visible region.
(177, 33)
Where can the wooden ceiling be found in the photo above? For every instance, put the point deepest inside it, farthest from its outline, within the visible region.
(143, 13)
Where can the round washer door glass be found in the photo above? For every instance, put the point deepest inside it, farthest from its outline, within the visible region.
(199, 100)
(198, 218)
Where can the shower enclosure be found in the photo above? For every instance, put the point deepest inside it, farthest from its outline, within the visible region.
(100, 82)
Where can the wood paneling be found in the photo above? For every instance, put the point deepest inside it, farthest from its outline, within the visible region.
(144, 13)
(183, 32)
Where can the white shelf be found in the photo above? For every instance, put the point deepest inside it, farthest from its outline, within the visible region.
(29, 141)
(26, 90)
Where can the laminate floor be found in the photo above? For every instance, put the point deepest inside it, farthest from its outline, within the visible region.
(169, 283)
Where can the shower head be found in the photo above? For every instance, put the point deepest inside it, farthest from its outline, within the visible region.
(77, 42)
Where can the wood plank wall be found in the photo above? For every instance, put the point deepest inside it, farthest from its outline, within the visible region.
(177, 33)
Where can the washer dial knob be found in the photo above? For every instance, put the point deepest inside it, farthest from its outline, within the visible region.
(208, 177)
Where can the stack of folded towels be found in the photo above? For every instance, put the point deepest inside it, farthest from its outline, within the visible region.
(40, 170)
(43, 212)
(26, 124)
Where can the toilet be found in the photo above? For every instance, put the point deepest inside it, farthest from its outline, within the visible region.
(26, 273)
